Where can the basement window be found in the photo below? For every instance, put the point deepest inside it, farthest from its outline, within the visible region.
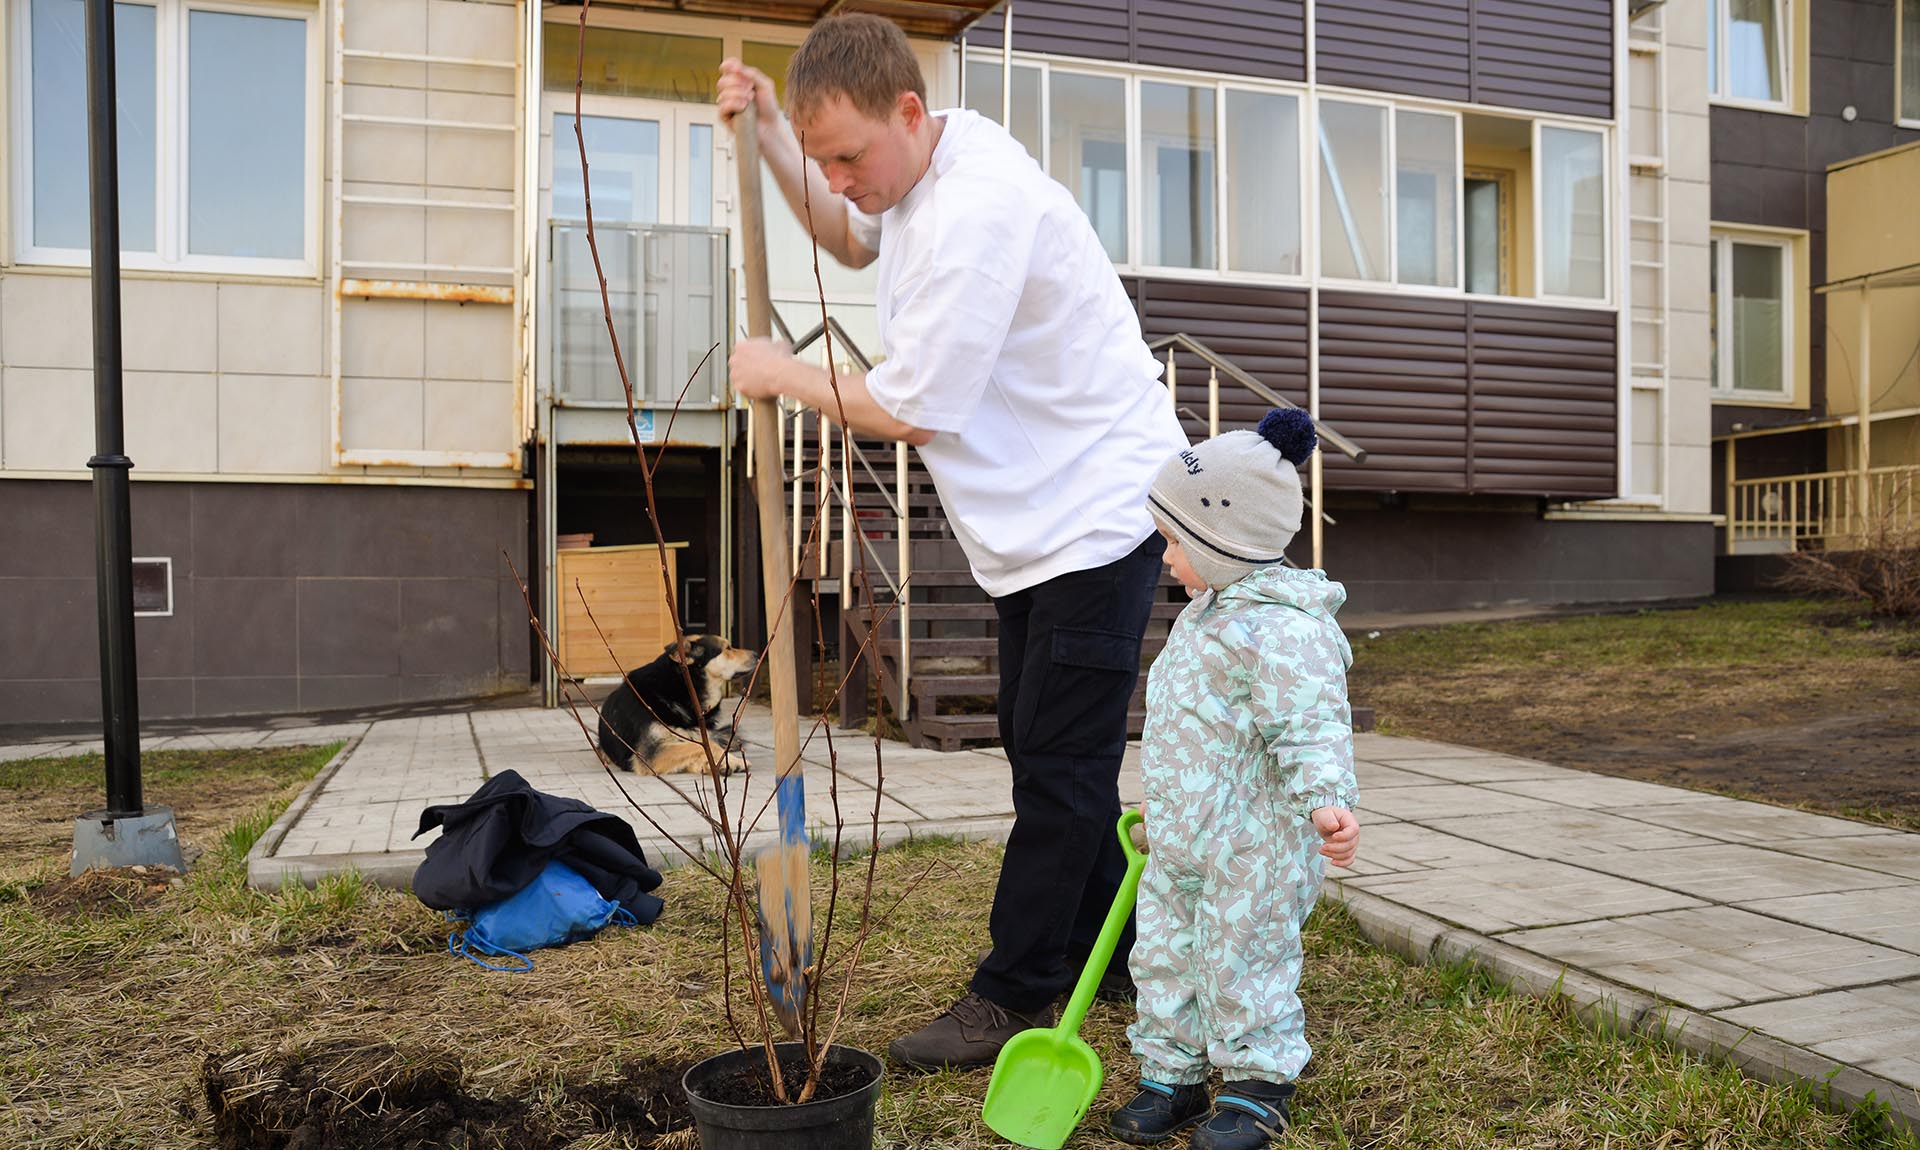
(153, 587)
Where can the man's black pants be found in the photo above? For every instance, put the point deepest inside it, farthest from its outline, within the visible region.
(1069, 664)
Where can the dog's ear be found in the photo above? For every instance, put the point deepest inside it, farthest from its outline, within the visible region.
(680, 650)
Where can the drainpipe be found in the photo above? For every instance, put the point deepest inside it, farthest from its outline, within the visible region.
(1863, 481)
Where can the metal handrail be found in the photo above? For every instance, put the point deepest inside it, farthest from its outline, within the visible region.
(896, 503)
(1341, 443)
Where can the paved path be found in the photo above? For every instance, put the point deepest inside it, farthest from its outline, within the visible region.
(1787, 941)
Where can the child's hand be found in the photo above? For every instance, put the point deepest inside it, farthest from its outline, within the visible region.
(1340, 832)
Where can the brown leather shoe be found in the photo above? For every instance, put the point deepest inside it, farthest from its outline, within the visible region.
(970, 1033)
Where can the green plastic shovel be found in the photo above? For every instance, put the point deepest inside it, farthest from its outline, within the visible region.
(1044, 1080)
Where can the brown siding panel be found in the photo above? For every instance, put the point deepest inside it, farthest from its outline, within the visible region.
(1262, 39)
(1420, 49)
(1446, 395)
(1544, 55)
(1545, 400)
(1256, 38)
(1091, 29)
(1393, 378)
(1262, 330)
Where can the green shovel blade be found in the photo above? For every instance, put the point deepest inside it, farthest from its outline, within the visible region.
(1044, 1080)
(1042, 1084)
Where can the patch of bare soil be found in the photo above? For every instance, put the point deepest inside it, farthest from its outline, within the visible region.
(36, 822)
(102, 893)
(646, 1099)
(347, 1096)
(1823, 738)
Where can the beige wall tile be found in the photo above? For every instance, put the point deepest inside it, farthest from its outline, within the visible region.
(386, 153)
(469, 416)
(1688, 135)
(1688, 269)
(489, 81)
(485, 31)
(1686, 78)
(272, 329)
(48, 320)
(1690, 358)
(382, 338)
(470, 159)
(172, 421)
(1689, 211)
(170, 325)
(274, 424)
(384, 234)
(49, 419)
(470, 238)
(381, 414)
(469, 341)
(471, 107)
(1690, 485)
(382, 100)
(388, 25)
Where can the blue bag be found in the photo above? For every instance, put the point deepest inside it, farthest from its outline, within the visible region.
(557, 907)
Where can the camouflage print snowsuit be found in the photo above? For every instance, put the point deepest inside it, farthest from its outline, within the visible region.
(1248, 731)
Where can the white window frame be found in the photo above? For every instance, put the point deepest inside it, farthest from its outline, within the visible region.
(1137, 162)
(1900, 113)
(168, 562)
(1390, 280)
(1718, 17)
(170, 252)
(1608, 222)
(1722, 248)
(1459, 201)
(1308, 99)
(1302, 106)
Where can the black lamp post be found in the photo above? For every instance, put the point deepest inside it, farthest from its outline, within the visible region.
(126, 833)
(112, 514)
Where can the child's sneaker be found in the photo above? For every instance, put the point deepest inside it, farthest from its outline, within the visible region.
(1158, 1112)
(1246, 1116)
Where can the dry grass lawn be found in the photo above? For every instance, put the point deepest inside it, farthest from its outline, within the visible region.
(335, 1017)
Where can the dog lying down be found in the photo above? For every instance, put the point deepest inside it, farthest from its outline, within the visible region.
(649, 719)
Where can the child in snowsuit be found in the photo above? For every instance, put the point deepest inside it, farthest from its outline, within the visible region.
(1247, 763)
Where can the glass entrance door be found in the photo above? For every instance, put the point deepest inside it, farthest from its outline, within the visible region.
(650, 165)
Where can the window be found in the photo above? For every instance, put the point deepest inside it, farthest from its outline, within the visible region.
(217, 153)
(1177, 149)
(1353, 190)
(984, 92)
(1572, 191)
(1182, 174)
(1488, 224)
(152, 578)
(1359, 145)
(1746, 50)
(1087, 150)
(1749, 318)
(1215, 169)
(1427, 187)
(1908, 66)
(1263, 182)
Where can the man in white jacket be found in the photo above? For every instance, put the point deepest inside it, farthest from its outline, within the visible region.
(1014, 364)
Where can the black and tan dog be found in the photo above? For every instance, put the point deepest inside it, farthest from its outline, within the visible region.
(650, 719)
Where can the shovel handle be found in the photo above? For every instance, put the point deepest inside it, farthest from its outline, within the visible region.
(1102, 952)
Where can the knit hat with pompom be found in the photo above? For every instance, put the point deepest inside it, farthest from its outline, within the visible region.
(1234, 501)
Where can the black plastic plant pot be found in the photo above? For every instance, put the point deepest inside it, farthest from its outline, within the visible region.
(844, 1122)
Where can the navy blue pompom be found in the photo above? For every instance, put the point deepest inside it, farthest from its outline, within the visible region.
(1291, 432)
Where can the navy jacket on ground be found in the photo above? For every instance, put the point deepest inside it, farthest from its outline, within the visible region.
(499, 840)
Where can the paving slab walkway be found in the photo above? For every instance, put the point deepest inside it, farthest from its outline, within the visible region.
(1786, 941)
